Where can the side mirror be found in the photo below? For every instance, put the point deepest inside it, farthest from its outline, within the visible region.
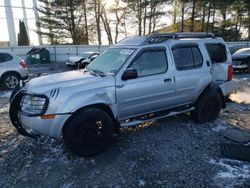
(130, 74)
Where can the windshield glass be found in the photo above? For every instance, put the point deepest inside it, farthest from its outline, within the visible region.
(111, 60)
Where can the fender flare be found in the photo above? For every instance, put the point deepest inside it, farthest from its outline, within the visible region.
(106, 108)
(211, 86)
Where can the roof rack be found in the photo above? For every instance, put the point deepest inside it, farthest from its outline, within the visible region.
(161, 37)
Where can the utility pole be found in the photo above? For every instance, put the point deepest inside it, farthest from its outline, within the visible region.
(38, 28)
(25, 18)
(10, 23)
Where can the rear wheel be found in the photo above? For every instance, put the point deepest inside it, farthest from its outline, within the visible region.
(10, 80)
(207, 108)
(88, 132)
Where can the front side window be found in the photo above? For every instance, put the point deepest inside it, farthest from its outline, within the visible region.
(217, 53)
(150, 62)
(110, 61)
(187, 57)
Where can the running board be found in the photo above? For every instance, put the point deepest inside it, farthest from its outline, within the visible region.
(136, 122)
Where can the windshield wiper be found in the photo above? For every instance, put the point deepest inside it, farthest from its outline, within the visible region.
(95, 72)
(100, 73)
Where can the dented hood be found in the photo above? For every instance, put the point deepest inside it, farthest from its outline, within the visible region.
(68, 80)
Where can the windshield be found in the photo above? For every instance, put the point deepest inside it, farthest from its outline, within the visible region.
(110, 61)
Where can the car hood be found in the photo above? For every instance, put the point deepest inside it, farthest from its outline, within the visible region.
(68, 80)
(236, 56)
(75, 58)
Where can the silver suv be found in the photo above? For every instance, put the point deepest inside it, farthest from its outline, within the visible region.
(140, 79)
(12, 70)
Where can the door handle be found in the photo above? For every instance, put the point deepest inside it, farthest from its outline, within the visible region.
(167, 80)
(119, 86)
(208, 63)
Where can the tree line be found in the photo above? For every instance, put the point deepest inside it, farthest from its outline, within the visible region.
(92, 21)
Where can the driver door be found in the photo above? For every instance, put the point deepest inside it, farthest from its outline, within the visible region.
(152, 90)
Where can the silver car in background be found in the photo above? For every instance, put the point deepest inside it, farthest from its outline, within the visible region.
(12, 70)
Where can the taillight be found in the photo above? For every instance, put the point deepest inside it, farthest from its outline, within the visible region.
(23, 64)
(230, 72)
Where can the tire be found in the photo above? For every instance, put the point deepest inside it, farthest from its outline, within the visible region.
(89, 132)
(207, 108)
(10, 80)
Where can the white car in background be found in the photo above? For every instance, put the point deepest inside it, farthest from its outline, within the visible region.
(241, 60)
(12, 70)
(82, 60)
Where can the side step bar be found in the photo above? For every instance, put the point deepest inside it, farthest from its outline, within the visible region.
(136, 121)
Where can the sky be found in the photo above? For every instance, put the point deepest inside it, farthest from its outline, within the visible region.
(18, 14)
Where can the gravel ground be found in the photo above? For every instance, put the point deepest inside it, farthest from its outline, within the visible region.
(173, 152)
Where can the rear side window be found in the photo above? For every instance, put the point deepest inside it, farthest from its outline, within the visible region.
(187, 57)
(217, 53)
(5, 57)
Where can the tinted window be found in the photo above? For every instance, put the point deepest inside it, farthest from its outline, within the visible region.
(187, 57)
(217, 53)
(197, 57)
(150, 62)
(5, 57)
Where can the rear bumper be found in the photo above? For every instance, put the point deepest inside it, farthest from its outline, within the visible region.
(228, 87)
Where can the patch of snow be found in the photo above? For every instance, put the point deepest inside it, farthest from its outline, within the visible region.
(245, 79)
(5, 94)
(2, 110)
(67, 185)
(241, 96)
(141, 183)
(233, 172)
(219, 128)
(55, 154)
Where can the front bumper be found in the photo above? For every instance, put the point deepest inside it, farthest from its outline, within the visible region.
(33, 126)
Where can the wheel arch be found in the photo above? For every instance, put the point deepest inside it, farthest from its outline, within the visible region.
(106, 108)
(9, 72)
(212, 86)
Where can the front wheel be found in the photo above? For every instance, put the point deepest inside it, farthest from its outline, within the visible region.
(88, 132)
(207, 108)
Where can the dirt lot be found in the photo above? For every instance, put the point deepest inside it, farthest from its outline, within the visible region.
(173, 152)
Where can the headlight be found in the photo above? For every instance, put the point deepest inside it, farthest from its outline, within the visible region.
(34, 104)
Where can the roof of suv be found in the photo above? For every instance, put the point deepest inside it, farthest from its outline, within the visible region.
(160, 38)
